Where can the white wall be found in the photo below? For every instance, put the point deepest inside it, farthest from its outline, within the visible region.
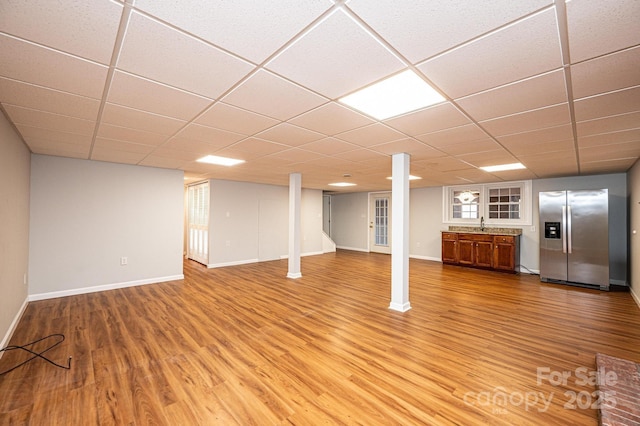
(350, 228)
(349, 216)
(426, 223)
(14, 227)
(249, 222)
(86, 215)
(311, 221)
(633, 181)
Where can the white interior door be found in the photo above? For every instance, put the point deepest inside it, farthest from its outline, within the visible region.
(198, 223)
(380, 222)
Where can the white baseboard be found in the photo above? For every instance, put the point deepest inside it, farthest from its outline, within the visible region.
(353, 249)
(234, 263)
(635, 296)
(311, 253)
(84, 290)
(14, 324)
(415, 256)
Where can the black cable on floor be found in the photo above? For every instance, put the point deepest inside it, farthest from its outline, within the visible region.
(37, 354)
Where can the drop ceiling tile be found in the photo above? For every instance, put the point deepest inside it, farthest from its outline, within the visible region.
(476, 146)
(374, 134)
(519, 148)
(416, 149)
(610, 152)
(288, 134)
(466, 176)
(253, 29)
(608, 104)
(442, 164)
(529, 120)
(251, 148)
(125, 134)
(278, 97)
(140, 120)
(331, 119)
(621, 136)
(213, 136)
(61, 149)
(332, 168)
(163, 162)
(548, 134)
(533, 93)
(181, 154)
(339, 46)
(100, 153)
(499, 58)
(41, 98)
(608, 124)
(563, 163)
(606, 74)
(296, 155)
(38, 136)
(194, 65)
(364, 155)
(117, 145)
(608, 166)
(135, 92)
(403, 24)
(25, 62)
(190, 146)
(432, 119)
(511, 175)
(46, 120)
(488, 158)
(597, 28)
(228, 117)
(328, 146)
(86, 29)
(453, 135)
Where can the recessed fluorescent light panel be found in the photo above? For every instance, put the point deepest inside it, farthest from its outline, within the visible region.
(220, 161)
(411, 177)
(393, 96)
(503, 167)
(342, 184)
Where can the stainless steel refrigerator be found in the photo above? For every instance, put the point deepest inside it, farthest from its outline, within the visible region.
(574, 237)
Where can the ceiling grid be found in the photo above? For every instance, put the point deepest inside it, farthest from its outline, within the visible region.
(548, 83)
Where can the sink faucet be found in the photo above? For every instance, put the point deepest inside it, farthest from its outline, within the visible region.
(482, 223)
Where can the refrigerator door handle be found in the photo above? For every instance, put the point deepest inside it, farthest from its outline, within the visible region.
(564, 229)
(569, 229)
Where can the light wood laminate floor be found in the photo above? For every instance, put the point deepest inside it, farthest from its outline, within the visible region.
(245, 345)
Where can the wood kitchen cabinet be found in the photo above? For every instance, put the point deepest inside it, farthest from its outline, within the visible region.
(449, 247)
(506, 252)
(481, 250)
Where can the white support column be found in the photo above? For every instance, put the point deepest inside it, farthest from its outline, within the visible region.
(295, 195)
(400, 233)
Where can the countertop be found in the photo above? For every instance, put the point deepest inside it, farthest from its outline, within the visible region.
(487, 230)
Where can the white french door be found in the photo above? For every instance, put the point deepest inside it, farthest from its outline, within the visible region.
(380, 223)
(198, 222)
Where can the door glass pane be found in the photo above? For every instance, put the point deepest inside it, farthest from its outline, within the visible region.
(381, 221)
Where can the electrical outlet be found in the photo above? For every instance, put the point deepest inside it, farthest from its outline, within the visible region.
(124, 261)
(533, 229)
